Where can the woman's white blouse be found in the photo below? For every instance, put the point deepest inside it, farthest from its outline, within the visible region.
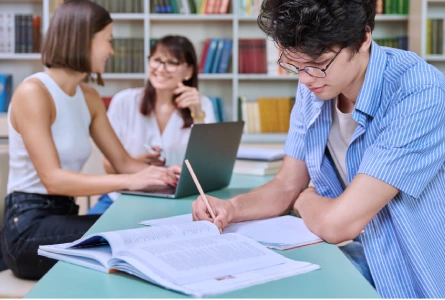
(138, 133)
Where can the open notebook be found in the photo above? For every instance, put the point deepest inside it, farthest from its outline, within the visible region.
(191, 258)
(280, 233)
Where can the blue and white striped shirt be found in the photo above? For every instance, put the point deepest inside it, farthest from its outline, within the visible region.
(399, 139)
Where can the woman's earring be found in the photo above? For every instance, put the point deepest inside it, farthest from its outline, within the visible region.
(185, 79)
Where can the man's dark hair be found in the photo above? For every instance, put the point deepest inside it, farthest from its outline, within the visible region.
(314, 27)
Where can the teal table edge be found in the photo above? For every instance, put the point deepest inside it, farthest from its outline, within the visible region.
(337, 278)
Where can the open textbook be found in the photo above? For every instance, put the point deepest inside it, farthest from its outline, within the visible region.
(280, 233)
(191, 258)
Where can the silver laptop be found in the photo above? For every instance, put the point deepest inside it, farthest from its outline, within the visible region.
(211, 150)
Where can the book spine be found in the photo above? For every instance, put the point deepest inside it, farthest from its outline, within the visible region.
(225, 56)
(217, 60)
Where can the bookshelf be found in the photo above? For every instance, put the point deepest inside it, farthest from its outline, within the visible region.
(197, 28)
(421, 11)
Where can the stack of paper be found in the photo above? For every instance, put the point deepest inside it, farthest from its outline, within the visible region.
(258, 161)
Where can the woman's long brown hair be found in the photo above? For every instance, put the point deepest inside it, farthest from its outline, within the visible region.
(182, 49)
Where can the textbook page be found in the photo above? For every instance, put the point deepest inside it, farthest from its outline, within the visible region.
(230, 283)
(277, 233)
(202, 258)
(285, 230)
(117, 241)
(221, 284)
(96, 257)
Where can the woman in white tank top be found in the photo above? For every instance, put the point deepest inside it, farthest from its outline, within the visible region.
(154, 123)
(51, 118)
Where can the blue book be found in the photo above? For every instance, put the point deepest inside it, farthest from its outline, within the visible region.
(222, 115)
(215, 108)
(225, 56)
(218, 55)
(210, 55)
(5, 91)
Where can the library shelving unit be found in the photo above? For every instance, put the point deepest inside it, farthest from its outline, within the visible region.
(197, 28)
(421, 11)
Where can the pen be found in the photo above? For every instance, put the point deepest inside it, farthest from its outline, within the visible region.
(201, 192)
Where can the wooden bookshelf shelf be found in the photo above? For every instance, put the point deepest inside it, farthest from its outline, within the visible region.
(215, 76)
(128, 17)
(383, 17)
(20, 56)
(267, 138)
(125, 76)
(435, 58)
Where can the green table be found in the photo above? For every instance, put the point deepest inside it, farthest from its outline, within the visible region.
(336, 278)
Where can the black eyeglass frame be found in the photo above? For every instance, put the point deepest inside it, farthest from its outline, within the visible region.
(165, 64)
(298, 70)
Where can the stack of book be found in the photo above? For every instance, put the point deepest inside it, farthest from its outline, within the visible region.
(216, 55)
(127, 6)
(19, 33)
(128, 56)
(190, 6)
(258, 161)
(267, 114)
(435, 43)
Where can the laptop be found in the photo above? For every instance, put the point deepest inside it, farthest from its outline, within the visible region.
(211, 150)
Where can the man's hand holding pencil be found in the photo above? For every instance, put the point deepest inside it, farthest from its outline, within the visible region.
(210, 208)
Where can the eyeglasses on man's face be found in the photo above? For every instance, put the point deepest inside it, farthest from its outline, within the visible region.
(170, 66)
(312, 71)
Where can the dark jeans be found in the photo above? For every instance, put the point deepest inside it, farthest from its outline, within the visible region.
(32, 220)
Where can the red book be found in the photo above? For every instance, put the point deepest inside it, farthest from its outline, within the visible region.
(107, 101)
(205, 50)
(224, 7)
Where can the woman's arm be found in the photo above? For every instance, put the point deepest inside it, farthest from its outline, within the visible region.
(105, 137)
(32, 118)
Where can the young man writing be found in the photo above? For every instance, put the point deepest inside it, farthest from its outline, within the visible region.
(368, 128)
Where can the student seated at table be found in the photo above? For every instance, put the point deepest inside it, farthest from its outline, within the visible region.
(368, 129)
(153, 123)
(52, 116)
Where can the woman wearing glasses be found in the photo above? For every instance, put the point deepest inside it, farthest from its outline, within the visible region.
(153, 123)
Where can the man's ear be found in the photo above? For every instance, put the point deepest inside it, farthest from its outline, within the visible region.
(368, 40)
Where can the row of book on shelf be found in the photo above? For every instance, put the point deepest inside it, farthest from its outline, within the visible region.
(215, 56)
(128, 56)
(393, 7)
(256, 56)
(435, 42)
(120, 6)
(19, 33)
(190, 6)
(259, 56)
(266, 114)
(400, 42)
